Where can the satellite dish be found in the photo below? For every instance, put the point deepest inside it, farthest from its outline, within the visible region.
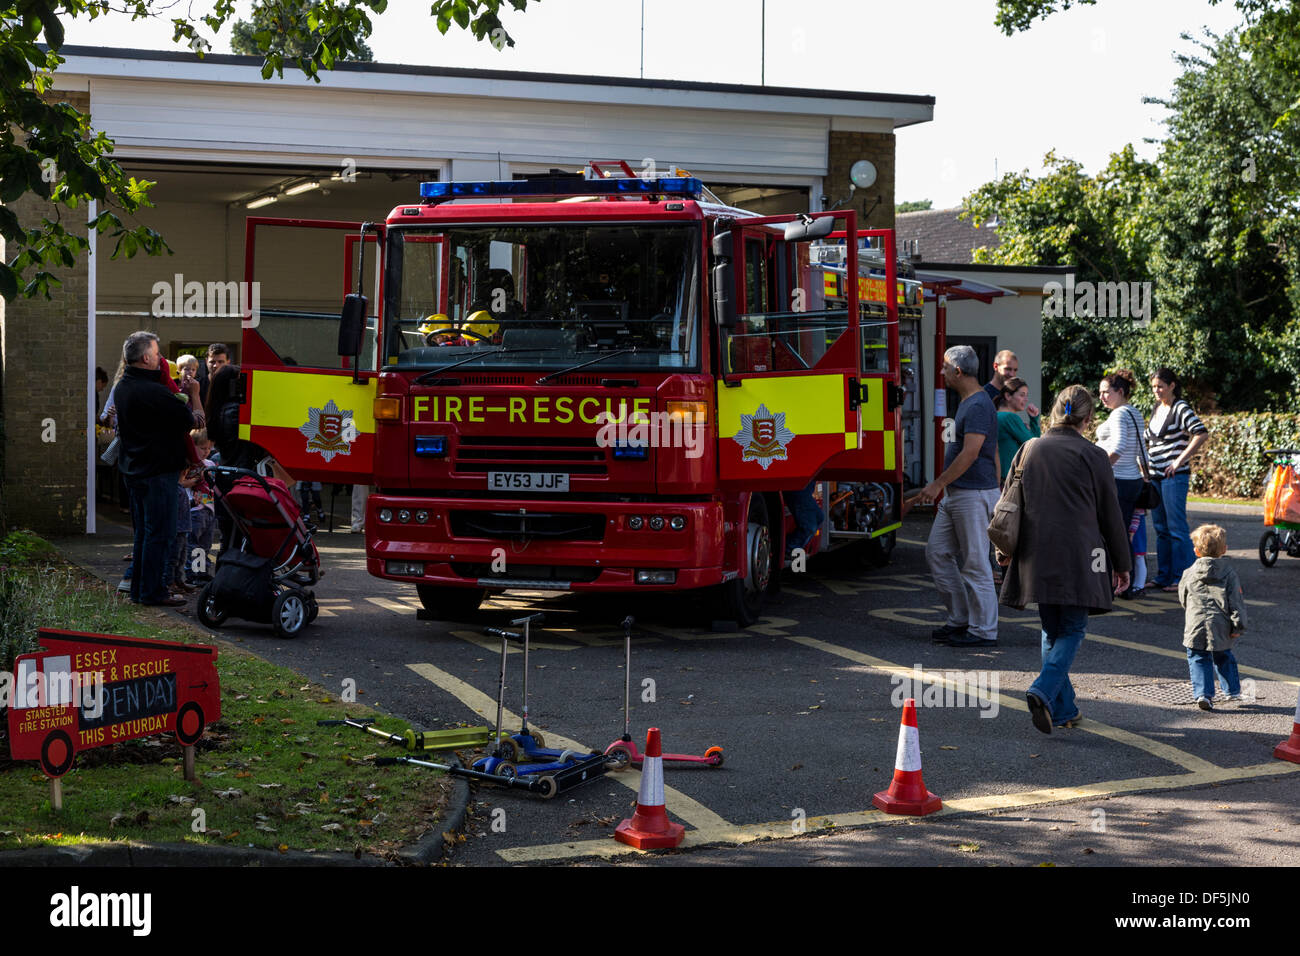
(862, 173)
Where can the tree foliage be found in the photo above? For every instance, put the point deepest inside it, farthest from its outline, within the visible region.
(1213, 223)
(287, 31)
(913, 205)
(49, 150)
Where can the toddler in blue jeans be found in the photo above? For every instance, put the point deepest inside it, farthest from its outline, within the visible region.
(1215, 616)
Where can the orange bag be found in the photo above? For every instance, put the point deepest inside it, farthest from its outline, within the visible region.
(1282, 497)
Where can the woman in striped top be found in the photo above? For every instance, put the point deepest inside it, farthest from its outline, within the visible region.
(1119, 436)
(1174, 435)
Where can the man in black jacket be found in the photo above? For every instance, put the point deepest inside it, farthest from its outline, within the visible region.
(152, 423)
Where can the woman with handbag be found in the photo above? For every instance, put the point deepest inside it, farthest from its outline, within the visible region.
(1173, 437)
(1068, 549)
(1121, 437)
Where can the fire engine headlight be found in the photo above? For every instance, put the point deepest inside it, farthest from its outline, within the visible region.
(657, 523)
(403, 516)
(636, 522)
(656, 577)
(422, 517)
(385, 515)
(677, 522)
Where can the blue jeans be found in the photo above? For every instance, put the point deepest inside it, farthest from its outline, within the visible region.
(1063, 630)
(807, 517)
(1204, 665)
(153, 512)
(1174, 553)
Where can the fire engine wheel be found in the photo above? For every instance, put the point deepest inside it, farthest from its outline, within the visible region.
(449, 604)
(741, 600)
(547, 787)
(57, 754)
(619, 757)
(1269, 545)
(289, 613)
(209, 611)
(189, 724)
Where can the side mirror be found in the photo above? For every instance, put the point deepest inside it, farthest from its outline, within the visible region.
(806, 227)
(724, 304)
(352, 324)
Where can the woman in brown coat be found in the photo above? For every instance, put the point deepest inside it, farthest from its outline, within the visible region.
(1072, 554)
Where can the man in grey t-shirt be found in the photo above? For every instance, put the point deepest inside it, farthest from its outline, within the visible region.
(958, 547)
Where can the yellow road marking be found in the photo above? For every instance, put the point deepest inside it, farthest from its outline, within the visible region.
(798, 592)
(1260, 603)
(814, 826)
(681, 635)
(1181, 655)
(1154, 747)
(402, 607)
(862, 587)
(921, 544)
(493, 644)
(683, 807)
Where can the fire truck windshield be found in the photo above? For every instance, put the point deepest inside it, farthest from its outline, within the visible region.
(544, 296)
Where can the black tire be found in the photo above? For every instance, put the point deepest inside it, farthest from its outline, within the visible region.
(189, 724)
(289, 613)
(450, 604)
(57, 754)
(312, 608)
(1269, 545)
(209, 611)
(547, 787)
(741, 600)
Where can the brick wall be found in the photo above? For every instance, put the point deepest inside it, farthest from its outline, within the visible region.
(846, 148)
(43, 346)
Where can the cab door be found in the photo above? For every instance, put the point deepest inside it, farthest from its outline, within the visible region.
(788, 358)
(303, 403)
(879, 452)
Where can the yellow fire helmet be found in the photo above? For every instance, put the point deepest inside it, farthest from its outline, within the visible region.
(436, 321)
(483, 323)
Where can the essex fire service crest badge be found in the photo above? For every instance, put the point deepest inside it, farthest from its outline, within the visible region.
(326, 432)
(763, 437)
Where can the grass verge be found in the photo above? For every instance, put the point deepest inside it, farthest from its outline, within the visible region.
(267, 775)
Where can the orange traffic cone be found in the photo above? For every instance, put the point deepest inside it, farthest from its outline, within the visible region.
(907, 793)
(1289, 749)
(650, 828)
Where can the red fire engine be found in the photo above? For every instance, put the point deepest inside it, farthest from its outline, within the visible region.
(592, 384)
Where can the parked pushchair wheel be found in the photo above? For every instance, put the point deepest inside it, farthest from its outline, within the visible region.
(209, 611)
(1269, 545)
(312, 608)
(289, 613)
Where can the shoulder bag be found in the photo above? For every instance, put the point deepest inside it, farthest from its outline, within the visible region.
(1004, 528)
(1149, 497)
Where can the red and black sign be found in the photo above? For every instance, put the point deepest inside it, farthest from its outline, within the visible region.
(90, 690)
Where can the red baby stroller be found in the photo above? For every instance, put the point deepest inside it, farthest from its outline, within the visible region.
(266, 569)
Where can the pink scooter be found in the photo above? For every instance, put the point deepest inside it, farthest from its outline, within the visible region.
(624, 750)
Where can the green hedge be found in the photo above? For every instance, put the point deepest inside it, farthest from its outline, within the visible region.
(1233, 463)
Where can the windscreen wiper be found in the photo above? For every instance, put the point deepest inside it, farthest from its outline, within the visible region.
(434, 373)
(600, 358)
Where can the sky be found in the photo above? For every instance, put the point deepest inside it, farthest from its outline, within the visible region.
(1073, 83)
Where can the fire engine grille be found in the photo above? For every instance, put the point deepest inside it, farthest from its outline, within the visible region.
(512, 524)
(530, 574)
(574, 456)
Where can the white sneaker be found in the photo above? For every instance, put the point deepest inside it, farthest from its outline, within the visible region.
(124, 585)
(1204, 703)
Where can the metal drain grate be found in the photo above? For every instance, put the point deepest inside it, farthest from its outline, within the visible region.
(1167, 692)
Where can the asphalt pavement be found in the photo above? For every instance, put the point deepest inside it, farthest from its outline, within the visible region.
(806, 708)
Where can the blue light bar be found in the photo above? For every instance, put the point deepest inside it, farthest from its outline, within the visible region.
(668, 186)
(431, 446)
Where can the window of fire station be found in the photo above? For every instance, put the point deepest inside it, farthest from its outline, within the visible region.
(545, 296)
(788, 322)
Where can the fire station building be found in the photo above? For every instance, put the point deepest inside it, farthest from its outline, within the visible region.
(222, 144)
